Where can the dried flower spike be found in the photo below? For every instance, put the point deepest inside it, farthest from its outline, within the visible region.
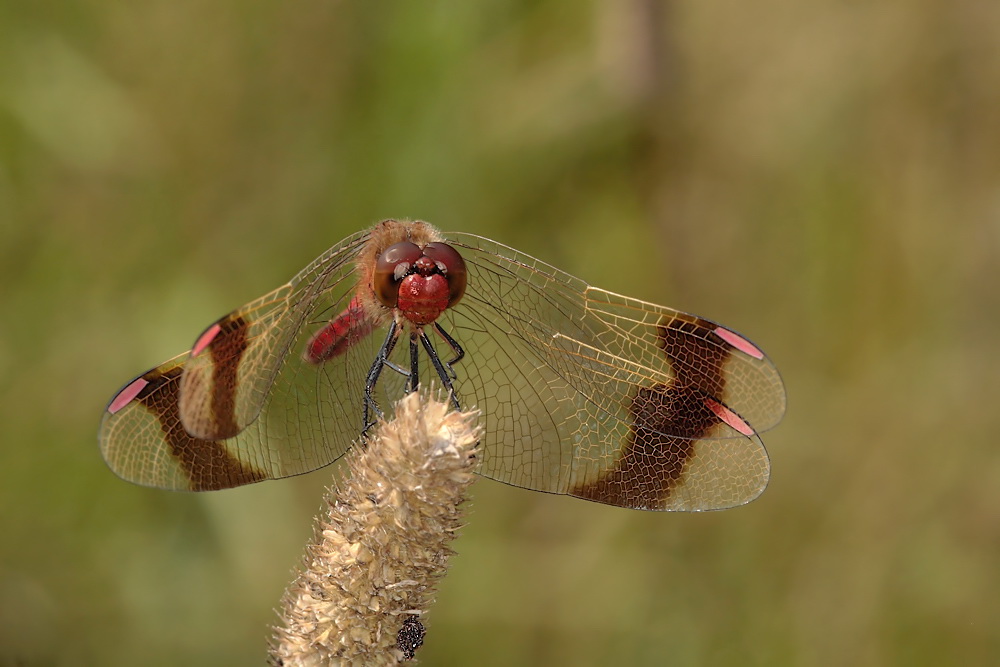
(383, 543)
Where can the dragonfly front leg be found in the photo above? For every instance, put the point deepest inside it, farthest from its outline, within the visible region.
(381, 361)
(455, 347)
(446, 376)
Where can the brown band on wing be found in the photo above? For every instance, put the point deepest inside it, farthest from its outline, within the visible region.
(653, 461)
(206, 463)
(227, 348)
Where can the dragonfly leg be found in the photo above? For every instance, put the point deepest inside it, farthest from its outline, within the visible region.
(455, 347)
(446, 375)
(414, 357)
(381, 361)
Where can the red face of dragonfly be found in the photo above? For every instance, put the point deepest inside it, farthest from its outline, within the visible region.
(420, 281)
(583, 392)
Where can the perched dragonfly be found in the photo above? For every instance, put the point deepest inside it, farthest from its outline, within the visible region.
(582, 391)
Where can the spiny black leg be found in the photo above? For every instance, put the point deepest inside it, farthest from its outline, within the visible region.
(414, 357)
(396, 367)
(455, 347)
(439, 367)
(381, 360)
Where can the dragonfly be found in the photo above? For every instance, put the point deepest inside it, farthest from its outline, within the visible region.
(582, 391)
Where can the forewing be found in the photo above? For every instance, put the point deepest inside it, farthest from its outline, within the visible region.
(246, 406)
(588, 393)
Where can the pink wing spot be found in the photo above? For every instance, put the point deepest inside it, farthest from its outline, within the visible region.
(739, 342)
(729, 417)
(205, 339)
(126, 395)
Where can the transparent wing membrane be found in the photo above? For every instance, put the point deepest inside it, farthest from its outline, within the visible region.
(583, 392)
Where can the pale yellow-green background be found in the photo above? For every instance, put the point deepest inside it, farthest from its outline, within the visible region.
(822, 176)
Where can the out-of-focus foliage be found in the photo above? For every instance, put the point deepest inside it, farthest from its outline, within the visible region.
(822, 176)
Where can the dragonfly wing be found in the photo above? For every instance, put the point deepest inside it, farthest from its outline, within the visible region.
(246, 405)
(235, 363)
(143, 440)
(594, 395)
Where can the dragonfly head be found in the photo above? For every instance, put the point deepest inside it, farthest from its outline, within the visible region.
(422, 282)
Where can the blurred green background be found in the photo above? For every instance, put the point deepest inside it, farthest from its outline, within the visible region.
(824, 177)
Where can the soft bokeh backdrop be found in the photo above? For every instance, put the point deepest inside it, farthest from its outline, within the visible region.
(822, 176)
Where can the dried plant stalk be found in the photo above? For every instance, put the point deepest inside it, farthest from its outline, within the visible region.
(383, 542)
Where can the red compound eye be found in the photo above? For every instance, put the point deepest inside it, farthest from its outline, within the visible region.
(390, 268)
(452, 266)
